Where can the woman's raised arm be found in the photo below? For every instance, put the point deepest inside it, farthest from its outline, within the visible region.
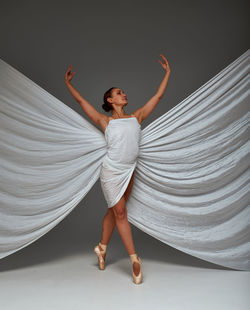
(148, 107)
(92, 113)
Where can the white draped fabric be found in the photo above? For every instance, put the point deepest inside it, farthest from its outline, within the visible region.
(123, 140)
(191, 185)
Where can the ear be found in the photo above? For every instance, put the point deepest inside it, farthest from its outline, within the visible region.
(109, 99)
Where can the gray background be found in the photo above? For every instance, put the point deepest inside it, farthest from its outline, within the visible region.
(117, 43)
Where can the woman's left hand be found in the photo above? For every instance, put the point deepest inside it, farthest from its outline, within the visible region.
(165, 64)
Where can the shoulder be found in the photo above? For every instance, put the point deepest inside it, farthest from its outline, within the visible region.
(103, 121)
(138, 115)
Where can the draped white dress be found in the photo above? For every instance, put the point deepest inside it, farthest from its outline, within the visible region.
(123, 138)
(191, 174)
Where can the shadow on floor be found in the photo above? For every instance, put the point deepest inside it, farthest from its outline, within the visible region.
(57, 245)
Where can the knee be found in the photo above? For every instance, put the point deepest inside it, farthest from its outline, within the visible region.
(120, 213)
(121, 216)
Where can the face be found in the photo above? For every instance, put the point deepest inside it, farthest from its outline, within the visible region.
(118, 97)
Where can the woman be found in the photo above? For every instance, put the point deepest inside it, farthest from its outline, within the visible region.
(122, 139)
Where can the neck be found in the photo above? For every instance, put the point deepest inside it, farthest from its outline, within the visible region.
(118, 112)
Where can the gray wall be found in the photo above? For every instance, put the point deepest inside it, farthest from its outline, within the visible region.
(117, 43)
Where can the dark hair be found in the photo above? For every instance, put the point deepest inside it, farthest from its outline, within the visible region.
(107, 106)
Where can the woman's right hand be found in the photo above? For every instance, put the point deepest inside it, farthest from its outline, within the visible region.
(69, 75)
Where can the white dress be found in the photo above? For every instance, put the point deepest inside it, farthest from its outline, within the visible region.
(191, 166)
(123, 139)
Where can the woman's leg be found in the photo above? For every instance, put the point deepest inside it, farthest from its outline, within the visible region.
(123, 226)
(120, 215)
(108, 225)
(109, 221)
(124, 229)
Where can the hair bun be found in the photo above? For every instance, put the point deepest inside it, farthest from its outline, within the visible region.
(107, 106)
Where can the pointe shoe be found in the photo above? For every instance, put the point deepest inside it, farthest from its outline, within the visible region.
(100, 254)
(134, 258)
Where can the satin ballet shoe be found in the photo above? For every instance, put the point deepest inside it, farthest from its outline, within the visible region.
(100, 254)
(134, 258)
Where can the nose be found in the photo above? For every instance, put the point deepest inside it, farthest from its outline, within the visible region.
(124, 96)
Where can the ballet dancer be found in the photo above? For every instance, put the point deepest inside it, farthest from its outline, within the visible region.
(122, 134)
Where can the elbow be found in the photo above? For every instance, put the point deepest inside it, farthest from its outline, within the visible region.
(159, 96)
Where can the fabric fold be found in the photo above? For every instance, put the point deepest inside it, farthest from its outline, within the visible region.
(50, 159)
(191, 184)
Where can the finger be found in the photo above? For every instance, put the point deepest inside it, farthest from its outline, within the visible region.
(163, 57)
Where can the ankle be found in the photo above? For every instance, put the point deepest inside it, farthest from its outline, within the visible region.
(103, 246)
(133, 258)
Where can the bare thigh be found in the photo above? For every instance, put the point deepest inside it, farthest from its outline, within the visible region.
(129, 188)
(119, 209)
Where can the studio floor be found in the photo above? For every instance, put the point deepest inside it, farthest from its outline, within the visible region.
(47, 276)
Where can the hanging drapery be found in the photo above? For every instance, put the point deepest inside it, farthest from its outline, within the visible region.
(191, 180)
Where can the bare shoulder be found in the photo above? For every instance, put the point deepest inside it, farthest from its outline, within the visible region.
(103, 121)
(138, 115)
